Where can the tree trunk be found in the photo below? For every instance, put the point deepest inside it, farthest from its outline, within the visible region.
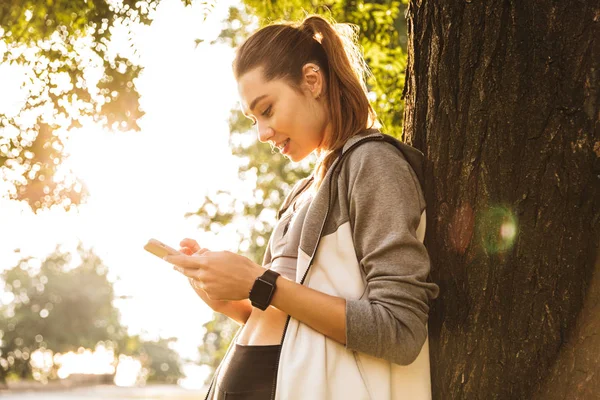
(503, 99)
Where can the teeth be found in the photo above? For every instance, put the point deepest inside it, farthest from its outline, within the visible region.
(283, 144)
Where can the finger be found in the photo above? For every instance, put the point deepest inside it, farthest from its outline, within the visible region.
(201, 251)
(191, 243)
(189, 272)
(185, 261)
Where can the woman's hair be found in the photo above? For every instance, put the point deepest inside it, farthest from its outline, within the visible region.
(282, 50)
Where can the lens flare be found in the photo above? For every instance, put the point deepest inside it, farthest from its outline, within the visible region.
(498, 228)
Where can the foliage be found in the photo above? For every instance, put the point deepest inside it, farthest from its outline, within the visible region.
(56, 308)
(63, 309)
(160, 361)
(72, 76)
(239, 24)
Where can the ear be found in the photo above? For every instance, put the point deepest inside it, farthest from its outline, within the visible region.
(313, 80)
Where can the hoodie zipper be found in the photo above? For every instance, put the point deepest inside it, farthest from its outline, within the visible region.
(287, 321)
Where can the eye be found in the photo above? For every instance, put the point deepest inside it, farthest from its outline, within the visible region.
(267, 112)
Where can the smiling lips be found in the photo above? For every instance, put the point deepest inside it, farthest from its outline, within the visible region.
(282, 144)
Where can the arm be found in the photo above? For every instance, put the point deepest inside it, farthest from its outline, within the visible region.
(239, 310)
(322, 312)
(385, 206)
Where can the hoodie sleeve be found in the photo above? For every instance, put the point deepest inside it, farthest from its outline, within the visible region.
(385, 207)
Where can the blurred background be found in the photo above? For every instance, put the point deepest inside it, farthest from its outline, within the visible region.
(119, 122)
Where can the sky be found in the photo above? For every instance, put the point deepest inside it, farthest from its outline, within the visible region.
(142, 183)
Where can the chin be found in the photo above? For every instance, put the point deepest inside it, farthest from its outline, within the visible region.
(295, 157)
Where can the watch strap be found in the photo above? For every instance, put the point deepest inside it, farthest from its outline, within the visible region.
(269, 276)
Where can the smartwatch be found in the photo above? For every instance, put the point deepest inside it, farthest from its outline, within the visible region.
(263, 289)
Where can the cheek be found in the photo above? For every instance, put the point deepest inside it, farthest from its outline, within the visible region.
(318, 122)
(291, 119)
(299, 119)
(311, 119)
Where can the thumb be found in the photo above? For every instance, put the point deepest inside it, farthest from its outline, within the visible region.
(190, 243)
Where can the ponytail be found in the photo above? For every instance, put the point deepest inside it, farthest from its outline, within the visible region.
(346, 88)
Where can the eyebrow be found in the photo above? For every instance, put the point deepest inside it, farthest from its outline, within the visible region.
(255, 101)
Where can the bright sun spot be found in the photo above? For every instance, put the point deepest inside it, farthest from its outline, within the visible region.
(86, 362)
(128, 371)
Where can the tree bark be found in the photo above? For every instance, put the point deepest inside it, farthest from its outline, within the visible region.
(575, 372)
(503, 99)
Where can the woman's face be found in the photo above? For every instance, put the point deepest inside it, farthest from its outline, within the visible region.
(281, 113)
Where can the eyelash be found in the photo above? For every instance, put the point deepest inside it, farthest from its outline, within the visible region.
(266, 113)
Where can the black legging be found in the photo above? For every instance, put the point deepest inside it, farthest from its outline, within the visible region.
(247, 373)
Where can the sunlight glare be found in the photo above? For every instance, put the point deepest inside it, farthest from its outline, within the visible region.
(195, 375)
(128, 371)
(86, 362)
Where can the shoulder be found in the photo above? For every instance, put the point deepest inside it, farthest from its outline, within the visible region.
(375, 155)
(378, 166)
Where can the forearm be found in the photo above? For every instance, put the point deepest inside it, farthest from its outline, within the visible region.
(322, 312)
(239, 310)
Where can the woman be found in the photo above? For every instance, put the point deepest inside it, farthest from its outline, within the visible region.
(339, 308)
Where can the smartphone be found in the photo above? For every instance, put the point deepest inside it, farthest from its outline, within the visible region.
(160, 249)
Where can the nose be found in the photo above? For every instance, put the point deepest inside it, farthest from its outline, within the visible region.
(264, 132)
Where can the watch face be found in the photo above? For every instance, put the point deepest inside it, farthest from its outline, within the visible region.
(261, 292)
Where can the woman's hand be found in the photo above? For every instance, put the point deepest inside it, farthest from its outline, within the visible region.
(190, 247)
(221, 275)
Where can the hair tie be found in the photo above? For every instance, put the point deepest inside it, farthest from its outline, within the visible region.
(310, 30)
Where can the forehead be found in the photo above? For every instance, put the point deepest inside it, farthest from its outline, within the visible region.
(252, 85)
